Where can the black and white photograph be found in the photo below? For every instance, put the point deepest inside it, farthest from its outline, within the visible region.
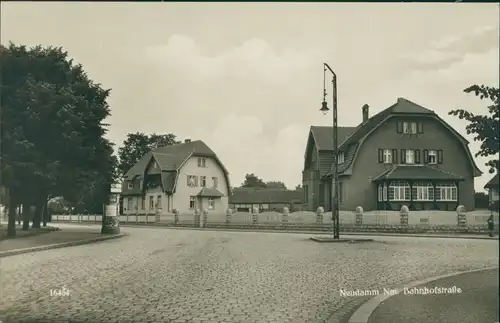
(249, 162)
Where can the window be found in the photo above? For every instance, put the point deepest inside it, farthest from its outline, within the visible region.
(192, 180)
(202, 162)
(340, 158)
(158, 202)
(129, 203)
(215, 181)
(387, 156)
(413, 127)
(130, 185)
(192, 202)
(432, 157)
(203, 181)
(151, 202)
(399, 191)
(382, 192)
(211, 203)
(446, 192)
(408, 128)
(409, 156)
(423, 192)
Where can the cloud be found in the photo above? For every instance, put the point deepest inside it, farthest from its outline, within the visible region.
(446, 52)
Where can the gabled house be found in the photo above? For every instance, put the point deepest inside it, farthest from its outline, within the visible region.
(404, 155)
(493, 195)
(182, 177)
(245, 199)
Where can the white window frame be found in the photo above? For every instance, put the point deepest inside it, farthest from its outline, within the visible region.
(410, 156)
(202, 162)
(406, 127)
(424, 192)
(211, 203)
(432, 153)
(387, 156)
(191, 181)
(446, 192)
(399, 189)
(413, 128)
(382, 192)
(129, 203)
(192, 201)
(215, 181)
(340, 158)
(203, 181)
(158, 202)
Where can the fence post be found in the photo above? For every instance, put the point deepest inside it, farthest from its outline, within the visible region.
(284, 218)
(320, 212)
(197, 214)
(205, 218)
(404, 215)
(461, 216)
(359, 215)
(229, 213)
(176, 216)
(255, 215)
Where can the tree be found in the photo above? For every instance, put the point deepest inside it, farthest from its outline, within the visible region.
(51, 128)
(484, 127)
(276, 185)
(298, 187)
(251, 180)
(139, 144)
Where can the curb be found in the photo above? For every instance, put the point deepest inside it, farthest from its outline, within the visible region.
(59, 245)
(477, 236)
(363, 313)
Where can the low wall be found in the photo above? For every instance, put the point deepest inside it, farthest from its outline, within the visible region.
(377, 221)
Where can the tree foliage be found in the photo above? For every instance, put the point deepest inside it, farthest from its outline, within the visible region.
(52, 128)
(251, 180)
(139, 144)
(276, 185)
(484, 127)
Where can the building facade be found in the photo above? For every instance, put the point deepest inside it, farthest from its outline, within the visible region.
(265, 199)
(403, 155)
(493, 192)
(182, 177)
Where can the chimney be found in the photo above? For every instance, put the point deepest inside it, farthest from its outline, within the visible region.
(365, 112)
(187, 140)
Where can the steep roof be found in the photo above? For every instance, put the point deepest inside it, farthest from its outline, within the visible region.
(402, 106)
(417, 172)
(170, 159)
(323, 136)
(494, 182)
(265, 196)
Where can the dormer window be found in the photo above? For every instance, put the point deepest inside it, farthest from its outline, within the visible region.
(340, 158)
(130, 185)
(202, 162)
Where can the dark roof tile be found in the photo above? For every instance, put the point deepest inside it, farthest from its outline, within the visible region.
(494, 182)
(416, 172)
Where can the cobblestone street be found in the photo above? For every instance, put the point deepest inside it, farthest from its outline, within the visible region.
(162, 275)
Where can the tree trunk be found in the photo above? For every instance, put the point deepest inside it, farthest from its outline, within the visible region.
(26, 217)
(11, 226)
(45, 213)
(37, 219)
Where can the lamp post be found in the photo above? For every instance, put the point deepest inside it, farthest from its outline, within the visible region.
(335, 181)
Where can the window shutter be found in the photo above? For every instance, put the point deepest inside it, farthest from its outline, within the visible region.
(380, 156)
(403, 156)
(426, 156)
(394, 156)
(420, 127)
(399, 126)
(417, 156)
(440, 156)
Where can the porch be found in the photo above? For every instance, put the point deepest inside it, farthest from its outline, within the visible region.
(419, 187)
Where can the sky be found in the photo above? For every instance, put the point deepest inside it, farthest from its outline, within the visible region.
(247, 78)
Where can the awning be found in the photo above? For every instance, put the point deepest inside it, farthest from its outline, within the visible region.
(210, 192)
(416, 172)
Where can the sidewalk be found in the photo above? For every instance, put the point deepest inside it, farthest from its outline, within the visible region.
(477, 302)
(55, 239)
(317, 232)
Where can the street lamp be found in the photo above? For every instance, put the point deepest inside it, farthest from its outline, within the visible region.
(335, 182)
